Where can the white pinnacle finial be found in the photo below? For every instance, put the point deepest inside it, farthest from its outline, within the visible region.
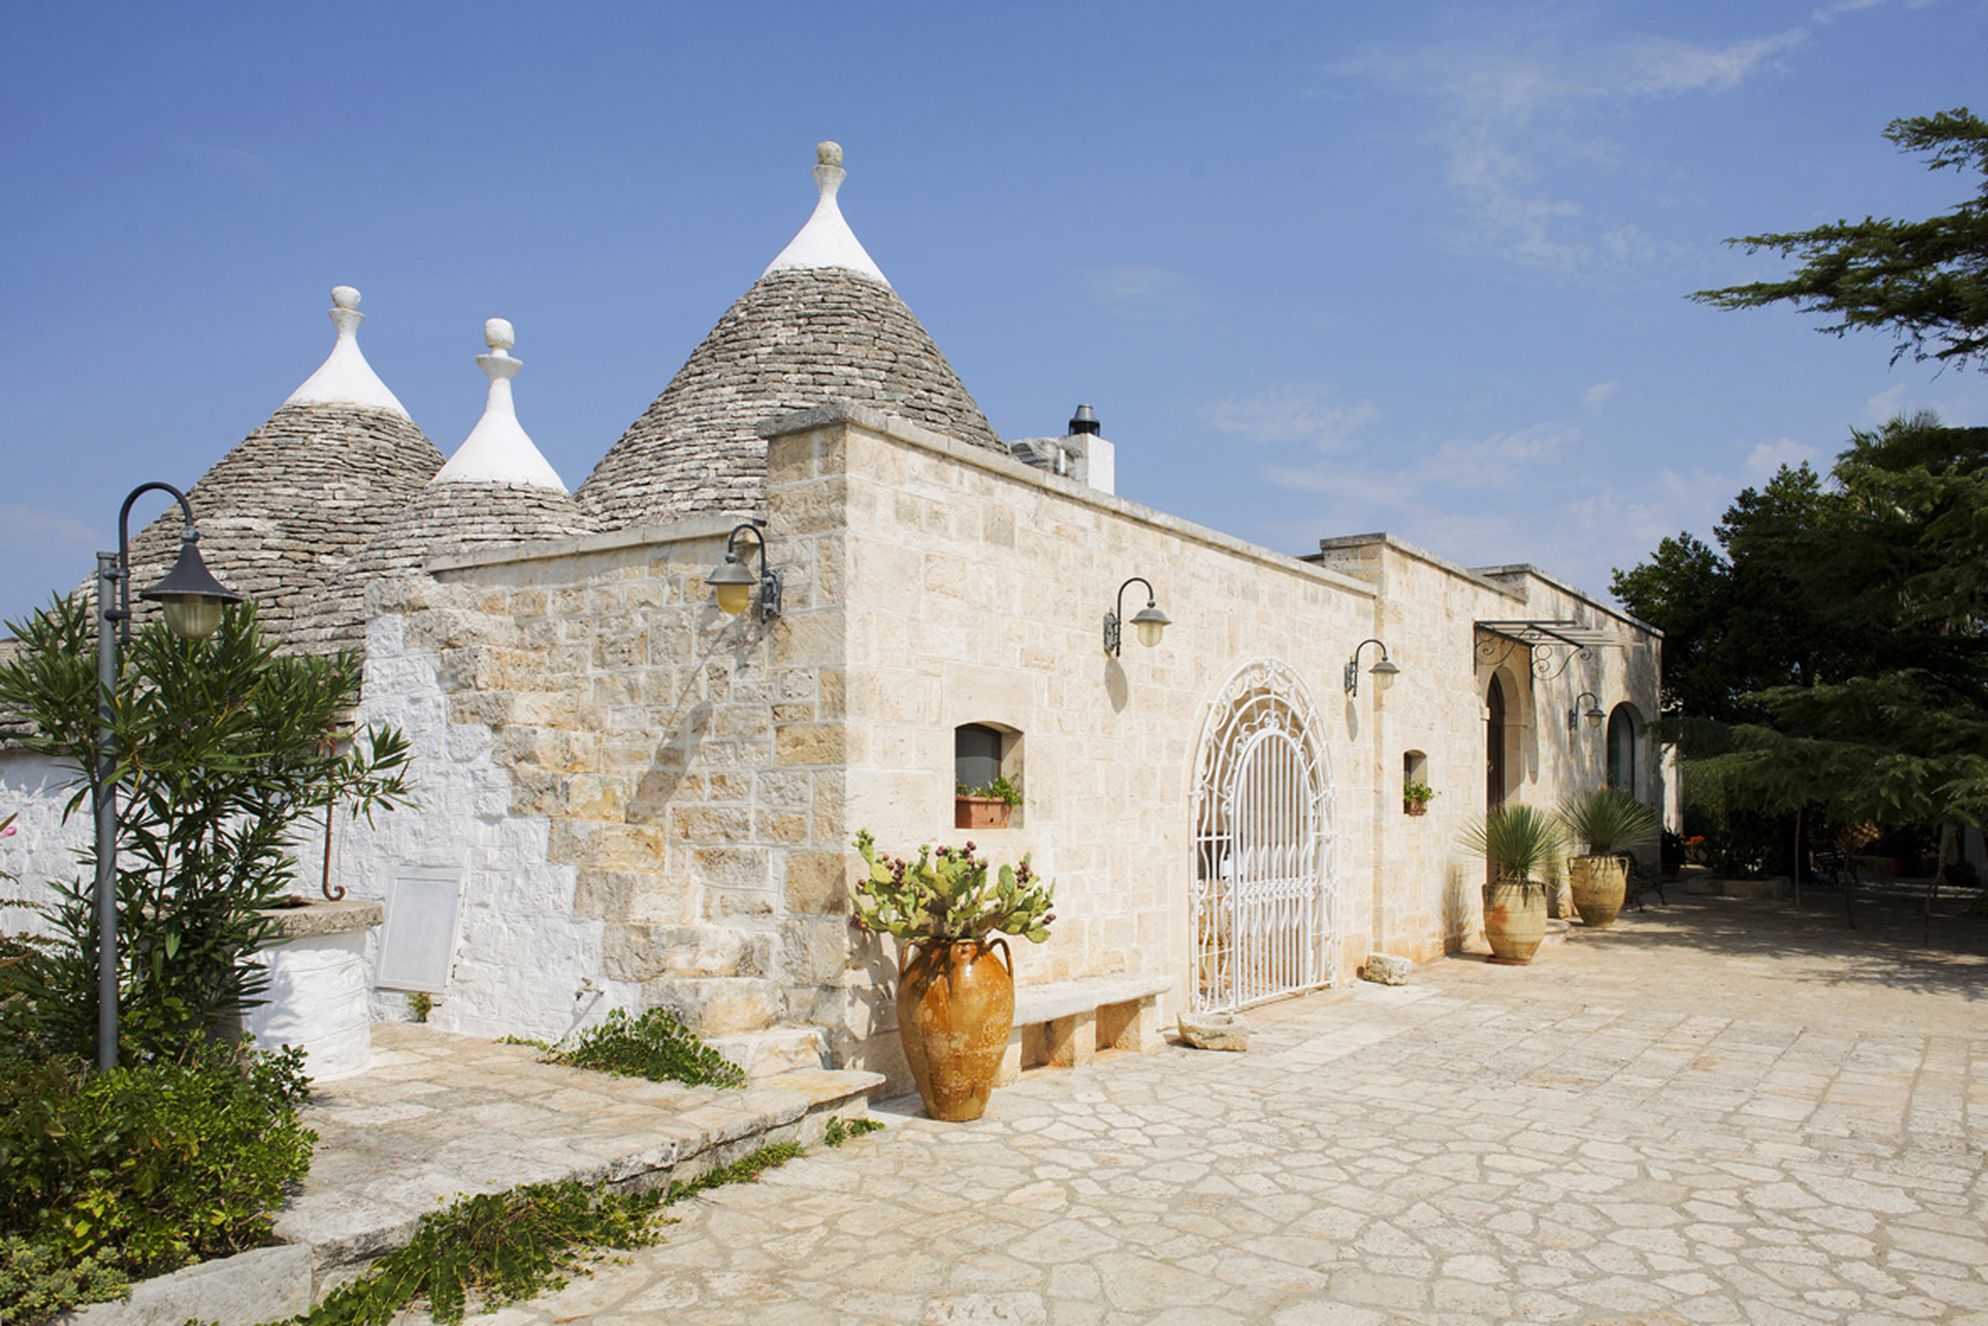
(498, 450)
(826, 240)
(345, 378)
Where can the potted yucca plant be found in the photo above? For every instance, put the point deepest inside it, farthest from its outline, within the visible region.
(955, 998)
(1524, 847)
(1612, 823)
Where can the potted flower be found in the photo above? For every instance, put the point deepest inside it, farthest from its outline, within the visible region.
(955, 997)
(1523, 846)
(1610, 822)
(1415, 797)
(988, 807)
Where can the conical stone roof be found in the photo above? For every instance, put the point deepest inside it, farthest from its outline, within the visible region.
(820, 325)
(282, 513)
(497, 489)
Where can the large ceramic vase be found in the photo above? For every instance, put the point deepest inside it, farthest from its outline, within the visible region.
(955, 1007)
(1514, 918)
(1600, 883)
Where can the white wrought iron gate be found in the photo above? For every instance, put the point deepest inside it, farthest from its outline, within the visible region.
(1265, 882)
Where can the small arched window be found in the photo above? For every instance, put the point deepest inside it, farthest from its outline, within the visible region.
(1622, 736)
(976, 754)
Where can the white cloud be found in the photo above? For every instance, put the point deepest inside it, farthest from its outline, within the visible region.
(1141, 290)
(1597, 396)
(1299, 414)
(1502, 110)
(1766, 458)
(1885, 405)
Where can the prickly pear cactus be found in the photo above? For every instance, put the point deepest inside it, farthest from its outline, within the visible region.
(949, 894)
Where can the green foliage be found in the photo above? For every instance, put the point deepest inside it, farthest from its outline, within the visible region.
(1419, 793)
(499, 1248)
(948, 896)
(999, 790)
(1925, 282)
(1607, 819)
(655, 1046)
(1519, 841)
(420, 1004)
(836, 1132)
(149, 1166)
(223, 747)
(39, 1280)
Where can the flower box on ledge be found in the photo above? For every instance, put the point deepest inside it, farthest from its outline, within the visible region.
(981, 813)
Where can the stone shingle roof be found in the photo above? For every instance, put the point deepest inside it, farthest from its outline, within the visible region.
(797, 340)
(445, 518)
(281, 515)
(820, 326)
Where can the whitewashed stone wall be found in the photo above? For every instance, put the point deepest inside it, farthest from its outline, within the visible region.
(43, 846)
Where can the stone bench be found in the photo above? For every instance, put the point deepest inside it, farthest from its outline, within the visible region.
(1063, 1024)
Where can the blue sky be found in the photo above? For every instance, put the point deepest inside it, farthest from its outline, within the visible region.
(1321, 268)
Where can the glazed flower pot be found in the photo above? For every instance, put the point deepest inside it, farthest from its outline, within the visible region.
(1600, 884)
(955, 1008)
(1514, 919)
(981, 813)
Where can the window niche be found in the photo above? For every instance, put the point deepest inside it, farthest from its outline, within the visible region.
(1415, 789)
(987, 776)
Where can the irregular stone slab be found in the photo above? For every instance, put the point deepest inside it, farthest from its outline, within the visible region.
(264, 1284)
(1386, 969)
(1214, 1031)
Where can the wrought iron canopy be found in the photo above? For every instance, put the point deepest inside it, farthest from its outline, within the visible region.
(1550, 644)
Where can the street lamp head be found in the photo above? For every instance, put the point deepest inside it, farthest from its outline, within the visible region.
(1149, 622)
(1384, 673)
(733, 585)
(1595, 717)
(189, 597)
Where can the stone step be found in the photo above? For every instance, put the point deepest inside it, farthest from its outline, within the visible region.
(775, 1050)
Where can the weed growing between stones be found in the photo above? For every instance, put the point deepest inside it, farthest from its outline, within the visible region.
(837, 1132)
(498, 1248)
(655, 1046)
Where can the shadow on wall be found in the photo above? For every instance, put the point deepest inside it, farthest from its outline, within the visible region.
(1461, 902)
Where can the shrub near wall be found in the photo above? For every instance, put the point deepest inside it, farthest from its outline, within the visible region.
(139, 1170)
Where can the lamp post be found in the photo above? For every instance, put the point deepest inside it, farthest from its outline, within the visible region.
(732, 583)
(1149, 622)
(1384, 670)
(190, 599)
(1594, 715)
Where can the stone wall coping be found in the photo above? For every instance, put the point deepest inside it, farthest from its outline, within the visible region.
(688, 530)
(1062, 999)
(1419, 553)
(262, 1284)
(1513, 570)
(915, 435)
(325, 917)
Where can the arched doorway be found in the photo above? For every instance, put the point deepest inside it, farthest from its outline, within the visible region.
(1265, 884)
(1622, 738)
(1494, 745)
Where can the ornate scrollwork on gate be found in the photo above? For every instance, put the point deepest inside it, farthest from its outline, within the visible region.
(1265, 892)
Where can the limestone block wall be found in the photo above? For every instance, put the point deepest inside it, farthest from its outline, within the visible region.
(975, 593)
(630, 781)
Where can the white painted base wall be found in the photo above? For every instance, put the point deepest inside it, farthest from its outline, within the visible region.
(43, 847)
(317, 998)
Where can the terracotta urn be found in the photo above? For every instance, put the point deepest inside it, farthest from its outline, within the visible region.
(1514, 919)
(955, 1008)
(1599, 883)
(1414, 807)
(981, 813)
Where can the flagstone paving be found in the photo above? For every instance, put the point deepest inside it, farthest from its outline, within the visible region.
(1720, 1112)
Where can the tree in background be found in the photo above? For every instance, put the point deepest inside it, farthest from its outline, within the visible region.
(224, 748)
(1925, 282)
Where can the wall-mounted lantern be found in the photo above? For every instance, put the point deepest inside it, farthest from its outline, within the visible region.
(732, 583)
(1149, 622)
(1383, 671)
(1594, 715)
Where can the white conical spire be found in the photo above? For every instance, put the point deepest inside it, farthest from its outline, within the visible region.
(498, 450)
(345, 378)
(826, 240)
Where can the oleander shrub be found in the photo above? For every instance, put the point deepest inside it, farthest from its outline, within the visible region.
(146, 1167)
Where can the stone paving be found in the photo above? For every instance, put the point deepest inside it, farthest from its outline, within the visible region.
(1718, 1112)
